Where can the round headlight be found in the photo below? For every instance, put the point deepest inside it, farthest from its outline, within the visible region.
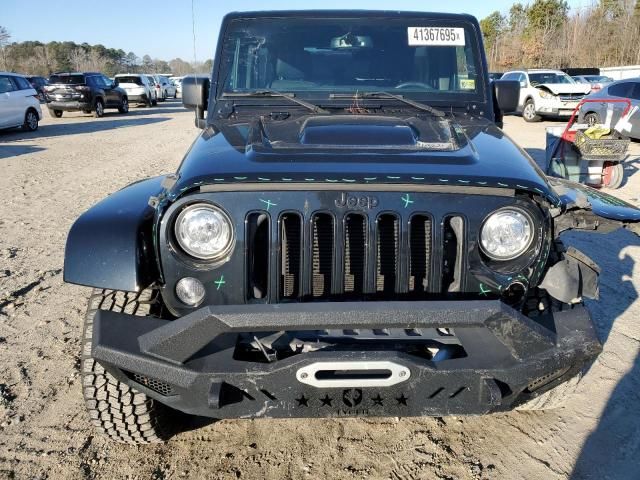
(506, 234)
(204, 232)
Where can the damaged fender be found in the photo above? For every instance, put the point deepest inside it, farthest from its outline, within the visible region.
(575, 275)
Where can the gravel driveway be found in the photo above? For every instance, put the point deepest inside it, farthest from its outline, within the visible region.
(48, 178)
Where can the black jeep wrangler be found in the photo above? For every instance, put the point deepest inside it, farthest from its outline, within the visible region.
(351, 234)
(86, 92)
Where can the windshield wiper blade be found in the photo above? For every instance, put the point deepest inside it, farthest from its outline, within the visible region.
(421, 106)
(267, 92)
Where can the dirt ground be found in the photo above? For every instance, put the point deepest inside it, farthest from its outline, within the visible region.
(49, 178)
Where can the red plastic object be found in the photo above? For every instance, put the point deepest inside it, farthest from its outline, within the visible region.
(571, 136)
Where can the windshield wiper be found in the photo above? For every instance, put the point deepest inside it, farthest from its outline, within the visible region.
(421, 106)
(267, 92)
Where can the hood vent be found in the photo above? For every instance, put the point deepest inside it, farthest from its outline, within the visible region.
(357, 130)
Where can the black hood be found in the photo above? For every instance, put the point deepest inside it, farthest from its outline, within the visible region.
(361, 149)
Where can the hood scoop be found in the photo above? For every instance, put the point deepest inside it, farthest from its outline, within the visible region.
(357, 130)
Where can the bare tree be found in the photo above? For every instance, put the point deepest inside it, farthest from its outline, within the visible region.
(4, 42)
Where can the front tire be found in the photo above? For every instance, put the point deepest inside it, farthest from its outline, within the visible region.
(98, 109)
(55, 113)
(116, 409)
(30, 121)
(529, 112)
(592, 119)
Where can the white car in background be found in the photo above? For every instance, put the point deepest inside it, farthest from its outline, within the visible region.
(177, 82)
(164, 88)
(547, 93)
(19, 104)
(139, 89)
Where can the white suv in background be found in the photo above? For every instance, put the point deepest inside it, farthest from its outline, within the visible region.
(544, 93)
(164, 88)
(19, 104)
(138, 88)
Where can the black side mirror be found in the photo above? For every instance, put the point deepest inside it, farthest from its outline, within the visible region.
(195, 96)
(507, 95)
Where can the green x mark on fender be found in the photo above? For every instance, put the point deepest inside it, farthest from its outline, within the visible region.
(407, 200)
(484, 290)
(220, 282)
(269, 203)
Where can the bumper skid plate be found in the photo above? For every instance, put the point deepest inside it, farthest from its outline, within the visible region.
(194, 363)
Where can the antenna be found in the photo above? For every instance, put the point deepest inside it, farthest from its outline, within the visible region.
(199, 107)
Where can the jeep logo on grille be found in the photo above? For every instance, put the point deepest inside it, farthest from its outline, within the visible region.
(356, 201)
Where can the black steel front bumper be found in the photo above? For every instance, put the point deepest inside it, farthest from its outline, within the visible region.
(190, 364)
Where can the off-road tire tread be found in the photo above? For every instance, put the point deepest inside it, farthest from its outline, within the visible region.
(115, 408)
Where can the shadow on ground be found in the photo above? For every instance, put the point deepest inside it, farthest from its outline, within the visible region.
(612, 450)
(8, 151)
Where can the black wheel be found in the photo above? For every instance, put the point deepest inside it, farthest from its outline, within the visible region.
(592, 118)
(175, 93)
(55, 113)
(116, 409)
(124, 105)
(612, 174)
(30, 121)
(98, 110)
(149, 102)
(154, 102)
(529, 112)
(164, 96)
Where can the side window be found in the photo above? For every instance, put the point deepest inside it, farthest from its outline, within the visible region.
(6, 85)
(621, 89)
(510, 76)
(635, 93)
(91, 81)
(23, 83)
(523, 78)
(105, 81)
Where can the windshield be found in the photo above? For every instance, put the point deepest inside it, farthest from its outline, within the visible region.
(598, 78)
(129, 79)
(67, 79)
(540, 78)
(421, 58)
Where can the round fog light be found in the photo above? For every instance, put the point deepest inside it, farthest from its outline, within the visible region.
(190, 291)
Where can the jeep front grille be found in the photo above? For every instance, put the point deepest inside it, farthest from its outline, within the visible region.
(350, 256)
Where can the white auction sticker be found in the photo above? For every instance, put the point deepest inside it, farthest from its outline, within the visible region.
(419, 36)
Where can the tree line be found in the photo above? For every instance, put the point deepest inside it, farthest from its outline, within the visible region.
(37, 58)
(546, 33)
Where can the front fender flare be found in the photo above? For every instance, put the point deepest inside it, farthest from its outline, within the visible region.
(111, 245)
(585, 208)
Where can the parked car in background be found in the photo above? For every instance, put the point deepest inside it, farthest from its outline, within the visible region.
(596, 112)
(164, 88)
(19, 105)
(597, 82)
(177, 82)
(87, 92)
(154, 90)
(38, 83)
(138, 88)
(547, 93)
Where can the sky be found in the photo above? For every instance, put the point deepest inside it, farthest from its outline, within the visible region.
(163, 28)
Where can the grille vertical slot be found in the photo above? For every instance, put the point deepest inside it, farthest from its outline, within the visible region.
(290, 255)
(387, 252)
(419, 253)
(355, 245)
(322, 233)
(453, 241)
(257, 255)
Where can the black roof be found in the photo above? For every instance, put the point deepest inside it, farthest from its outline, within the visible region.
(349, 13)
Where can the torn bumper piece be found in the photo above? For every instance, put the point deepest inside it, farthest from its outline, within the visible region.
(367, 361)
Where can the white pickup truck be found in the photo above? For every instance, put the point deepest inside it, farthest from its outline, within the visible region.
(547, 93)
